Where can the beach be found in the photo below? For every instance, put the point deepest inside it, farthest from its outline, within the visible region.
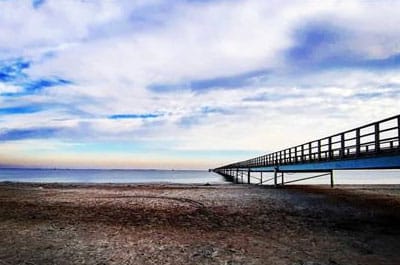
(198, 224)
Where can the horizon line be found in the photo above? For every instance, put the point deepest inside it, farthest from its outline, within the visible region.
(120, 169)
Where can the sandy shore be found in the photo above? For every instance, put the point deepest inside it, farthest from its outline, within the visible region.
(193, 224)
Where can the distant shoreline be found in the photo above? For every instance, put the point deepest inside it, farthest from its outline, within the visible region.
(110, 169)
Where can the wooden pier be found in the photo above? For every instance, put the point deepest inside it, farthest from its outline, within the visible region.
(372, 146)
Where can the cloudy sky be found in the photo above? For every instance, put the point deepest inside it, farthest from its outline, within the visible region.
(188, 83)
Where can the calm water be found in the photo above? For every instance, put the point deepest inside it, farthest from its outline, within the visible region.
(182, 176)
(345, 177)
(109, 176)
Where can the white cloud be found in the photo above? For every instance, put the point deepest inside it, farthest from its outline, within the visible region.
(112, 51)
(6, 88)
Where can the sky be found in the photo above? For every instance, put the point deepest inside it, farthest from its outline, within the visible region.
(188, 84)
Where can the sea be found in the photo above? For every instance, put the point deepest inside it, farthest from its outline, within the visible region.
(109, 176)
(183, 176)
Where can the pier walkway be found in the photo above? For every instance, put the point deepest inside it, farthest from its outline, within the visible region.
(372, 146)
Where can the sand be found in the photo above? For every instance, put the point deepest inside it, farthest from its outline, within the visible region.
(197, 224)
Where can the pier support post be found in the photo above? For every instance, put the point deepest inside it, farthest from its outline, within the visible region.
(248, 176)
(237, 176)
(332, 183)
(275, 177)
(283, 179)
(261, 178)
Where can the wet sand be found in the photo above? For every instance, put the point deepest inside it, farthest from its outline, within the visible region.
(195, 224)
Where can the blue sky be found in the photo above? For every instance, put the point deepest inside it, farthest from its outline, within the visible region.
(188, 84)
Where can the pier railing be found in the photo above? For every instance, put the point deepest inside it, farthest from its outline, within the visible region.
(374, 139)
